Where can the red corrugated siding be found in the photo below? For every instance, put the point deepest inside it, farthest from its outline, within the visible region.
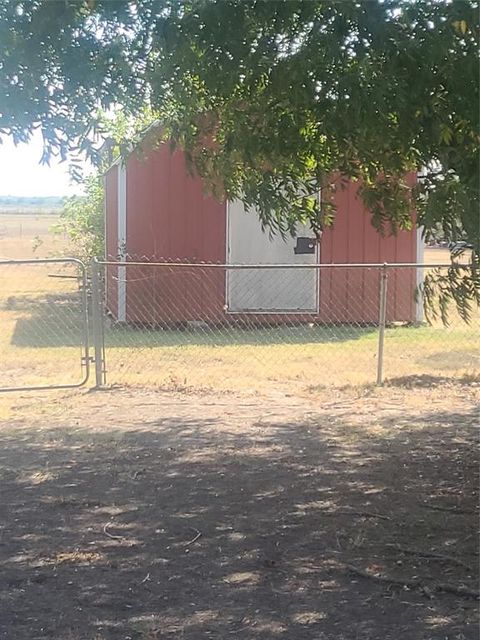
(352, 295)
(170, 218)
(111, 233)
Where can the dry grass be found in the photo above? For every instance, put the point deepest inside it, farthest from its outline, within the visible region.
(440, 255)
(24, 290)
(409, 351)
(29, 236)
(33, 351)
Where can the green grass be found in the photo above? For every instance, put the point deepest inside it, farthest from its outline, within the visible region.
(227, 336)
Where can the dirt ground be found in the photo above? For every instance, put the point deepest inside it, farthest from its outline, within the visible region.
(349, 514)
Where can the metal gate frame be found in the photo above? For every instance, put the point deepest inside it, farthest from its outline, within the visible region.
(84, 345)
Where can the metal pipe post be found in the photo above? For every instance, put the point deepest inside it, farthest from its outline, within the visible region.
(382, 317)
(97, 327)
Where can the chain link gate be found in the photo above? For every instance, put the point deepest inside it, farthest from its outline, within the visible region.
(44, 327)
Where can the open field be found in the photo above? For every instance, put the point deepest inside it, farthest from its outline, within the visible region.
(436, 256)
(51, 290)
(142, 515)
(439, 255)
(25, 289)
(29, 235)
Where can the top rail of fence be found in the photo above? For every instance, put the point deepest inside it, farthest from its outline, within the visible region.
(212, 265)
(14, 261)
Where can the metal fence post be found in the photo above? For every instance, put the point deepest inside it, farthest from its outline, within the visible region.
(382, 317)
(97, 326)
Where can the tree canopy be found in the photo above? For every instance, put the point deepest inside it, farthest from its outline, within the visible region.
(270, 99)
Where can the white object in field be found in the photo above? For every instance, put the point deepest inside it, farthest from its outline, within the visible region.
(267, 290)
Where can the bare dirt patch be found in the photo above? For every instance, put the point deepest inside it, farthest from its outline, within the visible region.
(343, 514)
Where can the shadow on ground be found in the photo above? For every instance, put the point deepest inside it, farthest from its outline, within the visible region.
(189, 529)
(429, 381)
(56, 320)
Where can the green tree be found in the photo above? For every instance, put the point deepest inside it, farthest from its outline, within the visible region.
(82, 220)
(270, 99)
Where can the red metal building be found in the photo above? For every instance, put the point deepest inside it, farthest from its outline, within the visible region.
(156, 211)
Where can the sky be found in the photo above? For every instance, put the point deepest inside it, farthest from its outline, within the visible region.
(22, 175)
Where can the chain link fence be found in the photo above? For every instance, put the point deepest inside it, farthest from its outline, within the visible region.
(225, 327)
(278, 327)
(44, 340)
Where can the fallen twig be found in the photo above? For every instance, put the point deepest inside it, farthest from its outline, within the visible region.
(111, 535)
(430, 555)
(352, 512)
(444, 587)
(461, 590)
(456, 510)
(197, 536)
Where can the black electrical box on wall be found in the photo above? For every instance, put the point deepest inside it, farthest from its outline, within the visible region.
(304, 245)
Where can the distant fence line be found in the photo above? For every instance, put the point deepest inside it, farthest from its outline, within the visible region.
(31, 210)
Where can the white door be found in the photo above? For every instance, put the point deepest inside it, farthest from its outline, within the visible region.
(268, 290)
